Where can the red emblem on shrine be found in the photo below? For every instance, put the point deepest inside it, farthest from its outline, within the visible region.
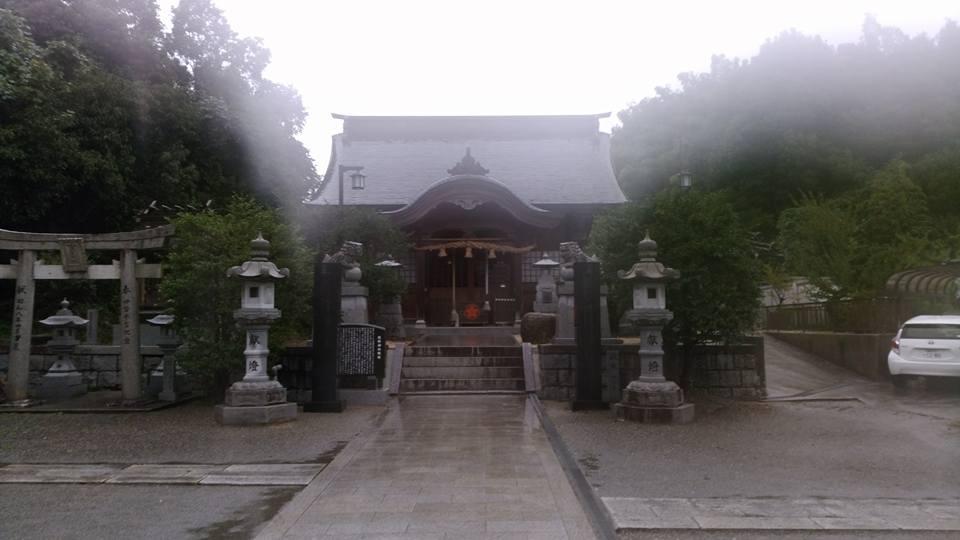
(471, 312)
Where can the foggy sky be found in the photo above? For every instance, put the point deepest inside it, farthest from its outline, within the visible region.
(523, 56)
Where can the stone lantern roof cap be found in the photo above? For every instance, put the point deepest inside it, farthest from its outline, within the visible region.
(162, 319)
(648, 269)
(64, 317)
(546, 262)
(259, 266)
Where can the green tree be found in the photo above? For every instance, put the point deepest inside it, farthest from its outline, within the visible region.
(102, 112)
(700, 235)
(379, 237)
(203, 298)
(848, 247)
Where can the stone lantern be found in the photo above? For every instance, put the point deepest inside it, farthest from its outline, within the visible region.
(62, 380)
(167, 371)
(546, 298)
(651, 397)
(256, 399)
(391, 312)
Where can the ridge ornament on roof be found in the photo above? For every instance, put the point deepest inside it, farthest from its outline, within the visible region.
(468, 165)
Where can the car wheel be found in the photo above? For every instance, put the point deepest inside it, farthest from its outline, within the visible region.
(899, 381)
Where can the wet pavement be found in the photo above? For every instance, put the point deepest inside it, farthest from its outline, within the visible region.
(442, 467)
(874, 459)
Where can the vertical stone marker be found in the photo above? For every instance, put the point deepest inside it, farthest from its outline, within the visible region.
(588, 373)
(129, 328)
(328, 272)
(651, 397)
(256, 399)
(18, 372)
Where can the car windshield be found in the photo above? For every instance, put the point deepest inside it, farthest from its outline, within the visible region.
(931, 331)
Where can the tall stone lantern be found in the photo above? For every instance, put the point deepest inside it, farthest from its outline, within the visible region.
(62, 380)
(651, 397)
(256, 399)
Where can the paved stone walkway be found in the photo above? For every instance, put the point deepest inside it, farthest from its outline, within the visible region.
(782, 513)
(441, 467)
(266, 474)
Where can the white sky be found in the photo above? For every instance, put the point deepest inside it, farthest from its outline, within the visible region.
(453, 57)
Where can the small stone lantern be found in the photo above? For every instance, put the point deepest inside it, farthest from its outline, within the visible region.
(391, 311)
(62, 380)
(168, 370)
(256, 399)
(651, 397)
(546, 298)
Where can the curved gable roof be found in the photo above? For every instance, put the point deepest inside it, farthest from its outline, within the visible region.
(543, 160)
(470, 191)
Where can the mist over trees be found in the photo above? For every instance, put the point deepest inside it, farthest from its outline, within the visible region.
(845, 159)
(103, 111)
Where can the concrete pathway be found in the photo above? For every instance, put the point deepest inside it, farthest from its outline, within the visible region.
(441, 467)
(266, 474)
(812, 514)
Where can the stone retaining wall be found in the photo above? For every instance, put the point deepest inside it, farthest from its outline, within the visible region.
(734, 372)
(865, 354)
(99, 364)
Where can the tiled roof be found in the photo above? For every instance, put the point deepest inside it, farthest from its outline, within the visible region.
(543, 160)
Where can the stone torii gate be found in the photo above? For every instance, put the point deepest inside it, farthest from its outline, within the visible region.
(26, 269)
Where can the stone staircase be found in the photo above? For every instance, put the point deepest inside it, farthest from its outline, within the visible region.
(462, 369)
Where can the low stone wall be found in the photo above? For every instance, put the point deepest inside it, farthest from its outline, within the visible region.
(734, 372)
(865, 354)
(99, 364)
(731, 371)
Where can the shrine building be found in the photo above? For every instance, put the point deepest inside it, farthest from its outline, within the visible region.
(482, 198)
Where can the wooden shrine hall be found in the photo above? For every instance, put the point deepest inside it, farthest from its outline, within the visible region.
(482, 197)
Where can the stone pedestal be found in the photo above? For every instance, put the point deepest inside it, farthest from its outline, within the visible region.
(61, 382)
(390, 318)
(264, 414)
(654, 401)
(256, 403)
(353, 304)
(565, 334)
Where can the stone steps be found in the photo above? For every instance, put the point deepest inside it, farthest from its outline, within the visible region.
(457, 385)
(462, 351)
(462, 369)
(462, 372)
(463, 361)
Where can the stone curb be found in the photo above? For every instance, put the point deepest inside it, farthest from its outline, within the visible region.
(597, 513)
(800, 514)
(253, 474)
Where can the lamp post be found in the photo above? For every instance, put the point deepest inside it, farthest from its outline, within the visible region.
(391, 311)
(357, 177)
(62, 380)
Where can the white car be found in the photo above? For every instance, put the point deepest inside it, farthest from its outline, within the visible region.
(927, 345)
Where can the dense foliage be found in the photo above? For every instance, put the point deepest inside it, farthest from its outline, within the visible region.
(102, 112)
(845, 159)
(715, 299)
(203, 298)
(380, 238)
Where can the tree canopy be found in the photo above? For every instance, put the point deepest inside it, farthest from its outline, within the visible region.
(103, 111)
(845, 158)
